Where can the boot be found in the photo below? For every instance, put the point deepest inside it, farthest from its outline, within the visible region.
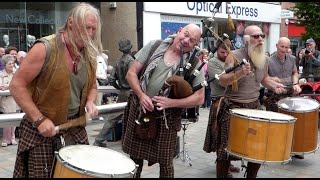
(222, 169)
(252, 170)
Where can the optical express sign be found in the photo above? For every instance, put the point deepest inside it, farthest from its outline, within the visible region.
(239, 10)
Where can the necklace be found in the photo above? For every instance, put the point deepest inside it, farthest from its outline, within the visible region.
(74, 61)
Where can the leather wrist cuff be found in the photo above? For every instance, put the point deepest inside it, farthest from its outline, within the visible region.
(37, 122)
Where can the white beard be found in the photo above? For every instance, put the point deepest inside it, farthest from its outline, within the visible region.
(257, 55)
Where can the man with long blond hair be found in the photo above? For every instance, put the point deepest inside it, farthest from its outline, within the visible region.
(54, 84)
(247, 79)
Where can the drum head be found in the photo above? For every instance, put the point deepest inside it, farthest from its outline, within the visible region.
(262, 115)
(96, 160)
(298, 104)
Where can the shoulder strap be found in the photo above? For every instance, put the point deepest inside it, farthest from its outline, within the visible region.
(153, 49)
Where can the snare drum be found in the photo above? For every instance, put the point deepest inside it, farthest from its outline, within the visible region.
(305, 134)
(260, 136)
(87, 161)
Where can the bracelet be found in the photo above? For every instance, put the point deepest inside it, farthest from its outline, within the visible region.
(37, 122)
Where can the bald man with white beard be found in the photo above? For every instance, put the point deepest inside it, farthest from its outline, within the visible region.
(242, 91)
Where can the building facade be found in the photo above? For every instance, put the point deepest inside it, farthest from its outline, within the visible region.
(161, 19)
(290, 28)
(139, 22)
(23, 22)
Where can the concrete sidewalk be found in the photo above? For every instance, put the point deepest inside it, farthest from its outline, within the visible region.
(203, 164)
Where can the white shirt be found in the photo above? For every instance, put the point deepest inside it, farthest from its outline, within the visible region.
(101, 68)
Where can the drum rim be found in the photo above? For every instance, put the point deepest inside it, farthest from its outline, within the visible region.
(258, 161)
(87, 172)
(294, 119)
(310, 110)
(307, 152)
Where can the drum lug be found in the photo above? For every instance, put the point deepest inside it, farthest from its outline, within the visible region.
(112, 175)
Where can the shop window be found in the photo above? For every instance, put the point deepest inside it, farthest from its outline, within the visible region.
(22, 20)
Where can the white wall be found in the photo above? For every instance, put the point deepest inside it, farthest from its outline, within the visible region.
(274, 35)
(151, 27)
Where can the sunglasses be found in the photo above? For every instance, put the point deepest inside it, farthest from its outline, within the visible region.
(258, 35)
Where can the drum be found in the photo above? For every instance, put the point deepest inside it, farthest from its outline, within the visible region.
(305, 134)
(87, 161)
(260, 136)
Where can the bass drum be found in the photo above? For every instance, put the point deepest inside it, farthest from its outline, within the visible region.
(306, 110)
(260, 136)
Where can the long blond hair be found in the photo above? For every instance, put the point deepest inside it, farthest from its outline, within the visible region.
(92, 46)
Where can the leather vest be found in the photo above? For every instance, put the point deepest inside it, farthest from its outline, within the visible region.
(50, 90)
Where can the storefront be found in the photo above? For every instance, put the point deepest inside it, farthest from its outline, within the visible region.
(163, 18)
(23, 22)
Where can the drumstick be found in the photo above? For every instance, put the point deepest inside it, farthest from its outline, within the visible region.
(80, 121)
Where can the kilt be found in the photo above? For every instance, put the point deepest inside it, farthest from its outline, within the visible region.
(210, 142)
(160, 150)
(35, 154)
(271, 102)
(224, 116)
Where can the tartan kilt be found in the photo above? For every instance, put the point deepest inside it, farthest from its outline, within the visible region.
(160, 150)
(210, 142)
(271, 102)
(35, 154)
(224, 117)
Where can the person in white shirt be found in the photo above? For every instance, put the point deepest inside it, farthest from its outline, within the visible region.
(101, 74)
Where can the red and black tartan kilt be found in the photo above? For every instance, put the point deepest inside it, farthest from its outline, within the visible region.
(224, 116)
(160, 150)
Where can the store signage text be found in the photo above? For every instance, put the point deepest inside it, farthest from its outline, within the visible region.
(31, 19)
(234, 10)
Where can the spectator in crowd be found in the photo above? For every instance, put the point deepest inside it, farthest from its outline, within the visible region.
(202, 57)
(2, 51)
(101, 73)
(14, 52)
(7, 103)
(311, 62)
(20, 56)
(298, 60)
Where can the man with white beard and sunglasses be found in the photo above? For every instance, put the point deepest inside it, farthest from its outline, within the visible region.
(242, 91)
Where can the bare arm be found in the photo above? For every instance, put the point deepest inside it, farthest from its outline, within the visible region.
(227, 79)
(295, 80)
(29, 68)
(133, 81)
(90, 104)
(273, 85)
